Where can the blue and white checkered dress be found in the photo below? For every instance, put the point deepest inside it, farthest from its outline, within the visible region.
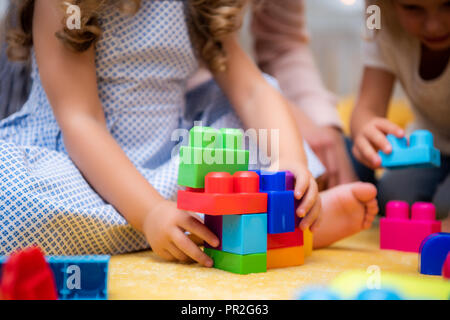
(143, 63)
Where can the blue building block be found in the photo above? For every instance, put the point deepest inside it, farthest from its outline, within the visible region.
(280, 202)
(378, 294)
(318, 293)
(78, 277)
(432, 253)
(419, 154)
(244, 234)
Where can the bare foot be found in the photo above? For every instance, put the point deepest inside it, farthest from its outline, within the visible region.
(346, 210)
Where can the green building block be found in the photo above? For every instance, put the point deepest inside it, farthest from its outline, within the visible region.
(211, 150)
(235, 263)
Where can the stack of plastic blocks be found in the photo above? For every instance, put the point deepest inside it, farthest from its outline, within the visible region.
(285, 241)
(434, 251)
(420, 153)
(236, 212)
(78, 277)
(400, 232)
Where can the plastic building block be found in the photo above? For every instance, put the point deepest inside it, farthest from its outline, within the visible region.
(241, 264)
(211, 150)
(308, 242)
(350, 283)
(245, 234)
(214, 223)
(225, 194)
(285, 240)
(80, 277)
(378, 294)
(446, 267)
(398, 232)
(280, 202)
(27, 276)
(420, 153)
(433, 251)
(317, 293)
(285, 257)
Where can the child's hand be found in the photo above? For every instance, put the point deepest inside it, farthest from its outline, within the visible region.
(307, 190)
(372, 138)
(165, 228)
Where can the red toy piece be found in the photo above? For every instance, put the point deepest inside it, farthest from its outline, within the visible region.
(285, 240)
(446, 268)
(27, 276)
(225, 194)
(399, 232)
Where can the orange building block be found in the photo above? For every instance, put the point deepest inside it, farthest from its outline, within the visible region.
(285, 257)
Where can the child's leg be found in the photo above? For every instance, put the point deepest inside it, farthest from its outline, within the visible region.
(410, 185)
(441, 198)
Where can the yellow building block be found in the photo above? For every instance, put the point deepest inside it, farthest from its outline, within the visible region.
(285, 257)
(350, 283)
(307, 242)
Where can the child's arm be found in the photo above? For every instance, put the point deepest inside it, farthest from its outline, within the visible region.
(70, 81)
(368, 125)
(260, 106)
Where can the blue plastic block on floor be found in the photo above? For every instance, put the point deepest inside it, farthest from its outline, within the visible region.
(419, 154)
(78, 277)
(432, 253)
(244, 234)
(81, 277)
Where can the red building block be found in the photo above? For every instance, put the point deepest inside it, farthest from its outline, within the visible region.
(225, 194)
(285, 240)
(399, 232)
(27, 276)
(446, 268)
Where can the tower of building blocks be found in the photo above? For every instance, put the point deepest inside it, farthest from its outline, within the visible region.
(252, 213)
(76, 277)
(400, 232)
(26, 275)
(420, 153)
(433, 251)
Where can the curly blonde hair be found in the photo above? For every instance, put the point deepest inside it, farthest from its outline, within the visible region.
(209, 21)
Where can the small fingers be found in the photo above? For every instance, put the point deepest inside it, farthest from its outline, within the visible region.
(379, 141)
(191, 249)
(196, 227)
(387, 127)
(309, 199)
(369, 155)
(177, 253)
(312, 216)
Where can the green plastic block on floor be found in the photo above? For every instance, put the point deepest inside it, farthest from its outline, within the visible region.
(240, 264)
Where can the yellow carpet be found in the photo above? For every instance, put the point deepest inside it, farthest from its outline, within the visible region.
(144, 276)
